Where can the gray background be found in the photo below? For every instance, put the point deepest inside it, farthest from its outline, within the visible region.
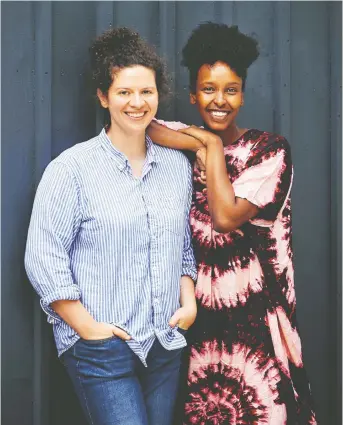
(294, 88)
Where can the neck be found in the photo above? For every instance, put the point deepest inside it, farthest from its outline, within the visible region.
(231, 134)
(131, 145)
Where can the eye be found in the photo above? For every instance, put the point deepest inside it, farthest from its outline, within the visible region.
(123, 92)
(232, 90)
(147, 91)
(208, 89)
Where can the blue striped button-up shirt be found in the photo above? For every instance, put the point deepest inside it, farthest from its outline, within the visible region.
(117, 243)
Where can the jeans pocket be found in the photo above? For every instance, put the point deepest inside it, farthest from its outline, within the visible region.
(182, 331)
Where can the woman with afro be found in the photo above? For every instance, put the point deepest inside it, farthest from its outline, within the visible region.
(245, 357)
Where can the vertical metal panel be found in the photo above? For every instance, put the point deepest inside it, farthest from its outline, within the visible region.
(104, 16)
(225, 12)
(73, 113)
(167, 49)
(17, 172)
(42, 124)
(310, 76)
(188, 16)
(335, 25)
(104, 12)
(282, 68)
(140, 16)
(48, 107)
(258, 103)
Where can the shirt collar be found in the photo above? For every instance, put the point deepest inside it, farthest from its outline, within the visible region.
(121, 159)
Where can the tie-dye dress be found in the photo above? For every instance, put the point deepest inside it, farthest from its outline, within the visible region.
(245, 360)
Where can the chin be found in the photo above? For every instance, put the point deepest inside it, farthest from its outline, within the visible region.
(215, 126)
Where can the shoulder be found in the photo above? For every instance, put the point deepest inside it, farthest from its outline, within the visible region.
(79, 152)
(267, 145)
(265, 140)
(71, 161)
(172, 156)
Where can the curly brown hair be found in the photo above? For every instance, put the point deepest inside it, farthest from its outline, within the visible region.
(120, 48)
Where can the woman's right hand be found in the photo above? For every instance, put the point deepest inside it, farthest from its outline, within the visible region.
(76, 315)
(101, 330)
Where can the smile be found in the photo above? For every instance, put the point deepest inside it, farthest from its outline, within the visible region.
(135, 115)
(219, 115)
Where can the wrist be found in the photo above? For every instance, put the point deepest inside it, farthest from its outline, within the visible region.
(197, 146)
(189, 304)
(214, 141)
(86, 328)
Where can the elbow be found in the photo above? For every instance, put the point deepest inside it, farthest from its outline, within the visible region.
(224, 225)
(27, 262)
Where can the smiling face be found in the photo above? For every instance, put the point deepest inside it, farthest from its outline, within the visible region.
(218, 96)
(132, 99)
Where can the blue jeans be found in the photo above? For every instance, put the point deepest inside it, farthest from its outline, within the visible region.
(115, 388)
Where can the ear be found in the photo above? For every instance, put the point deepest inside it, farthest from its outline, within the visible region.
(102, 98)
(192, 98)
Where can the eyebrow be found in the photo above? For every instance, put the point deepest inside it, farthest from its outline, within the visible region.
(130, 88)
(233, 83)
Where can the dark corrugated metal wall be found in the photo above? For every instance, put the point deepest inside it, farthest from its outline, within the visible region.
(294, 89)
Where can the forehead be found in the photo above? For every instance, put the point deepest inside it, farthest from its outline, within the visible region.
(134, 76)
(219, 72)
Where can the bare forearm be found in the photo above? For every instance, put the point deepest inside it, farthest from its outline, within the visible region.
(77, 317)
(74, 314)
(187, 292)
(164, 136)
(184, 317)
(220, 193)
(227, 211)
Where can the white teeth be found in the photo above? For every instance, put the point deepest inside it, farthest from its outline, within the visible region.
(219, 114)
(135, 115)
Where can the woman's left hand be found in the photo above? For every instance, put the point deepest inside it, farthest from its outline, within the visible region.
(204, 136)
(201, 164)
(184, 317)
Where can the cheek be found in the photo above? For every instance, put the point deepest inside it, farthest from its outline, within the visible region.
(116, 104)
(154, 102)
(235, 102)
(203, 101)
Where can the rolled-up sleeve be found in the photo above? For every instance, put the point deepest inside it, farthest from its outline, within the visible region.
(173, 125)
(55, 220)
(188, 260)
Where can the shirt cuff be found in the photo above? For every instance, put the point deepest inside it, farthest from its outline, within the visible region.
(71, 293)
(188, 271)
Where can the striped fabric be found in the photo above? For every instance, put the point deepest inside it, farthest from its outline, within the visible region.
(116, 242)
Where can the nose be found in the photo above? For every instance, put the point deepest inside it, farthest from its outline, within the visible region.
(219, 99)
(136, 100)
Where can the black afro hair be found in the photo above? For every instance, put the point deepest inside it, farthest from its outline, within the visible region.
(211, 42)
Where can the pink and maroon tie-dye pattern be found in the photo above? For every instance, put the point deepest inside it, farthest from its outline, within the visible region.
(245, 363)
(245, 352)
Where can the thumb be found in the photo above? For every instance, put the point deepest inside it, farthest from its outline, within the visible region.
(175, 318)
(120, 333)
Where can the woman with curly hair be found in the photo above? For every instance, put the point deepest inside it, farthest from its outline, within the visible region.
(109, 247)
(245, 359)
